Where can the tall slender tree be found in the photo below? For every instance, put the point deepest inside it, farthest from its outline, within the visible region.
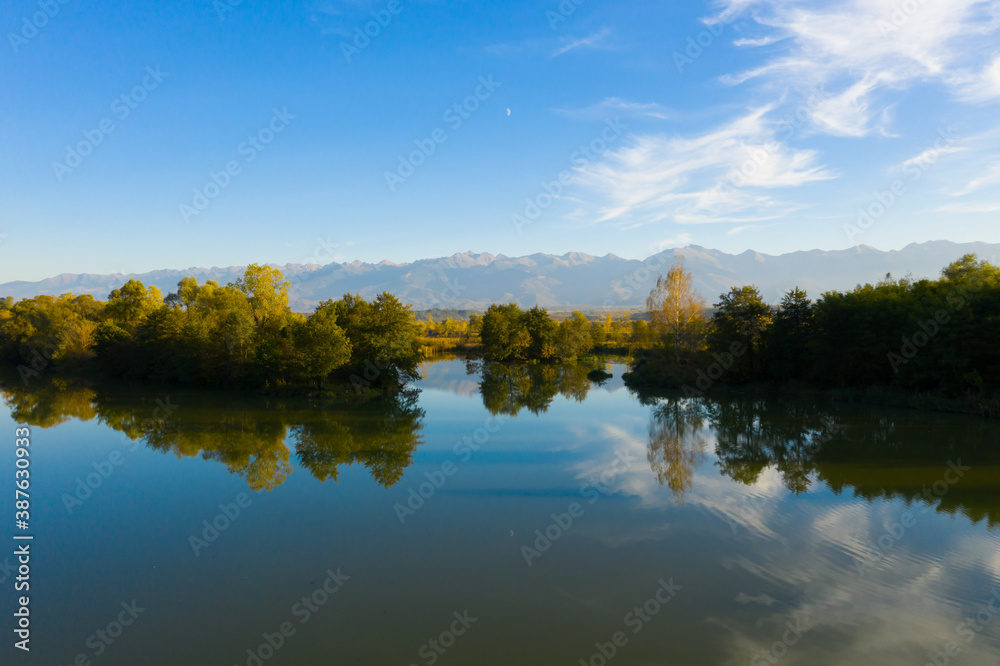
(675, 308)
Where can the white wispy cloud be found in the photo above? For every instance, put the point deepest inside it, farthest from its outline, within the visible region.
(762, 41)
(616, 105)
(723, 175)
(932, 155)
(983, 85)
(680, 240)
(553, 47)
(970, 208)
(595, 40)
(990, 176)
(749, 227)
(955, 165)
(859, 48)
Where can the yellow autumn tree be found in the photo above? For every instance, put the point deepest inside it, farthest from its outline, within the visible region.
(676, 310)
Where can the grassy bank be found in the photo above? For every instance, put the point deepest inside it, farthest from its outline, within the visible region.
(435, 345)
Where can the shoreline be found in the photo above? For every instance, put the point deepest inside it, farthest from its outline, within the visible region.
(881, 396)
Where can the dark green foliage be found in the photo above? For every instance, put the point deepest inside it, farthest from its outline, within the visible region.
(381, 436)
(738, 328)
(543, 332)
(505, 333)
(788, 342)
(383, 335)
(929, 336)
(320, 346)
(599, 376)
(250, 435)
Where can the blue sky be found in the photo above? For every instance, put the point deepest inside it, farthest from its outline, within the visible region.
(595, 127)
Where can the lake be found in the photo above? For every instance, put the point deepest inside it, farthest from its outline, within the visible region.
(503, 515)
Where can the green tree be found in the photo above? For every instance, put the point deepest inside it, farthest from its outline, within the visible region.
(186, 294)
(36, 332)
(574, 339)
(599, 333)
(267, 290)
(640, 336)
(970, 268)
(383, 335)
(543, 332)
(475, 328)
(112, 348)
(738, 327)
(320, 347)
(790, 337)
(131, 303)
(504, 334)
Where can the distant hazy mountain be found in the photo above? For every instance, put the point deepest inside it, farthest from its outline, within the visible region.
(473, 281)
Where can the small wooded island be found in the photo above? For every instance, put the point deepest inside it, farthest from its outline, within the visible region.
(936, 340)
(242, 334)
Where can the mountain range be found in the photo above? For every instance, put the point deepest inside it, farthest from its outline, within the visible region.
(473, 281)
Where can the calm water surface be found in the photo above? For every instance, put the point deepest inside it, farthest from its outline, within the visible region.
(504, 516)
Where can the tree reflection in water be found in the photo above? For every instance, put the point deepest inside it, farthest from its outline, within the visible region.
(507, 388)
(380, 435)
(677, 443)
(877, 452)
(247, 434)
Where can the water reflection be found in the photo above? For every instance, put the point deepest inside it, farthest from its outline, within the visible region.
(382, 436)
(507, 388)
(873, 452)
(49, 405)
(247, 434)
(251, 444)
(770, 466)
(753, 434)
(878, 453)
(677, 443)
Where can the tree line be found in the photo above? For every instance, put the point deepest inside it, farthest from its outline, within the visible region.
(509, 333)
(925, 335)
(938, 336)
(240, 334)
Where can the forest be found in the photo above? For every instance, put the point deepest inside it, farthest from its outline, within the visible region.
(241, 335)
(934, 336)
(937, 336)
